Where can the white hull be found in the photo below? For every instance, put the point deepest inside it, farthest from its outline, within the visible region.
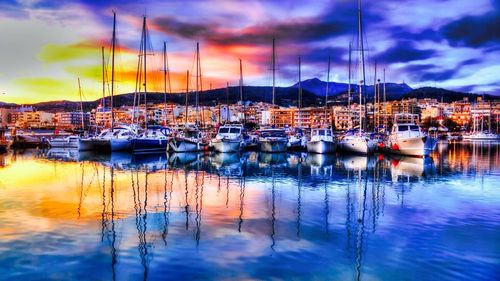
(481, 136)
(415, 146)
(321, 146)
(120, 144)
(356, 144)
(180, 145)
(273, 146)
(62, 143)
(225, 146)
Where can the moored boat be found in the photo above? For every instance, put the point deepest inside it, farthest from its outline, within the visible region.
(154, 139)
(188, 140)
(229, 138)
(322, 141)
(273, 140)
(408, 138)
(357, 143)
(66, 142)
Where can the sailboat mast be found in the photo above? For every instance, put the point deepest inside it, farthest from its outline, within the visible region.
(374, 112)
(385, 117)
(144, 53)
(103, 78)
(241, 93)
(349, 80)
(81, 103)
(197, 81)
(165, 82)
(300, 86)
(113, 46)
(360, 38)
(300, 97)
(274, 72)
(187, 96)
(227, 102)
(327, 86)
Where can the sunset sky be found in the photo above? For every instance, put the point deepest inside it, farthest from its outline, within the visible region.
(47, 45)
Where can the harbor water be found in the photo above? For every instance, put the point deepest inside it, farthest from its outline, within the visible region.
(66, 215)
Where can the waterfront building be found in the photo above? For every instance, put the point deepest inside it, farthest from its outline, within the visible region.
(71, 120)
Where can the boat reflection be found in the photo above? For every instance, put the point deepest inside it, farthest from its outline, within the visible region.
(410, 168)
(357, 162)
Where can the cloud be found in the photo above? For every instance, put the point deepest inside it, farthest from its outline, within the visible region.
(52, 53)
(474, 31)
(405, 51)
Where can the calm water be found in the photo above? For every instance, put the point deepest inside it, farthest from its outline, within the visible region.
(71, 216)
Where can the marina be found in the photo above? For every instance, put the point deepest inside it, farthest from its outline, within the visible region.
(250, 215)
(249, 140)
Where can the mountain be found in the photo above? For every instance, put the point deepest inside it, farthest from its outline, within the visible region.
(318, 87)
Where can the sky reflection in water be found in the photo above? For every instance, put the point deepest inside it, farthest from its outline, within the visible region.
(65, 215)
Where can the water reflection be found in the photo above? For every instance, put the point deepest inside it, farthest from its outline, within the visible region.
(250, 215)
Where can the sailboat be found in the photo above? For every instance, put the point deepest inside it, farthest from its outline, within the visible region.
(481, 134)
(154, 138)
(115, 138)
(273, 140)
(359, 142)
(71, 142)
(190, 139)
(322, 140)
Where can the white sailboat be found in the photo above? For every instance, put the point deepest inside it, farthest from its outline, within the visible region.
(408, 138)
(359, 142)
(323, 140)
(477, 134)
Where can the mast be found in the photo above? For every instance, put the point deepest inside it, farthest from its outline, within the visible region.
(327, 86)
(241, 93)
(274, 72)
(144, 50)
(113, 46)
(103, 78)
(385, 117)
(300, 87)
(300, 97)
(81, 103)
(227, 102)
(374, 112)
(349, 122)
(187, 93)
(362, 60)
(165, 82)
(197, 81)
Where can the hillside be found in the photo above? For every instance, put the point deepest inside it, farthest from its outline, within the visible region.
(318, 87)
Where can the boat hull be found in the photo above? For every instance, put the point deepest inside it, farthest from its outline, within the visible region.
(273, 146)
(64, 144)
(226, 146)
(119, 144)
(149, 145)
(183, 145)
(417, 146)
(86, 144)
(358, 145)
(321, 146)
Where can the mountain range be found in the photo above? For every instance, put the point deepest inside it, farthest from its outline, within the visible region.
(313, 94)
